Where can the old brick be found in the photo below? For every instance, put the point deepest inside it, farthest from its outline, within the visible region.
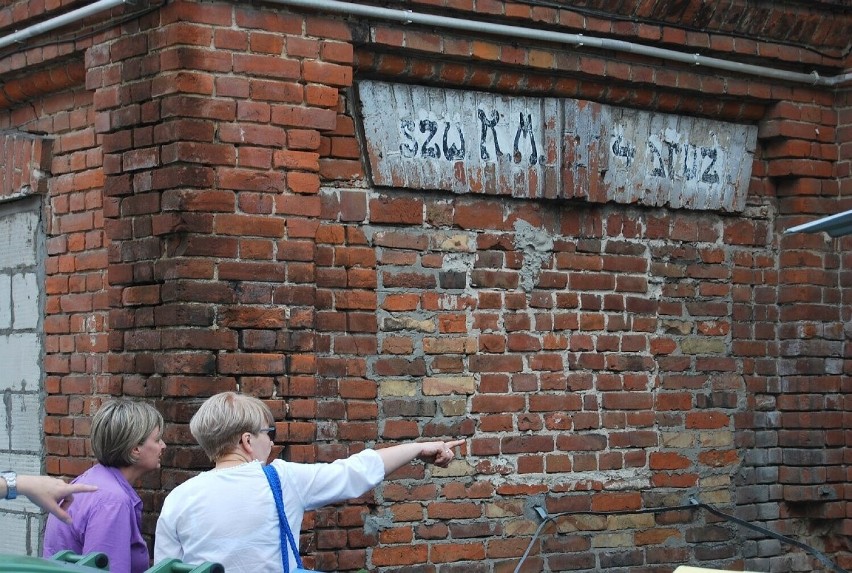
(448, 385)
(396, 211)
(449, 552)
(400, 555)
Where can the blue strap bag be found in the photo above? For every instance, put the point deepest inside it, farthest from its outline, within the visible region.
(284, 527)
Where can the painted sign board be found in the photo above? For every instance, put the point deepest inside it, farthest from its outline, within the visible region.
(474, 142)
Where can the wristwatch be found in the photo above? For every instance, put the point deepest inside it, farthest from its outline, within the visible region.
(11, 479)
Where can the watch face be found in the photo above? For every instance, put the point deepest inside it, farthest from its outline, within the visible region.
(11, 484)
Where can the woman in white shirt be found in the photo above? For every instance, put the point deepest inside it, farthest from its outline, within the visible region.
(228, 515)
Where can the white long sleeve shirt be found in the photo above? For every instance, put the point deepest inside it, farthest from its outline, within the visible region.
(228, 516)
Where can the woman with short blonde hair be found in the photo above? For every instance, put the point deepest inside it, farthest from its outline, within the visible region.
(126, 438)
(223, 417)
(230, 514)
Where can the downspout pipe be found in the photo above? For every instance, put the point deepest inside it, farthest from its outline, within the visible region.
(59, 21)
(515, 32)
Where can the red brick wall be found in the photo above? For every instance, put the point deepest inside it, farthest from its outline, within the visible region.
(208, 167)
(24, 164)
(68, 175)
(798, 430)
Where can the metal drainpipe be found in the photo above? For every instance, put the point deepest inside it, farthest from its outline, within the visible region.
(59, 21)
(409, 17)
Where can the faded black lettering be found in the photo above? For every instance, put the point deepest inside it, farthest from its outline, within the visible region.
(709, 176)
(690, 162)
(525, 129)
(409, 147)
(487, 124)
(622, 148)
(659, 168)
(673, 149)
(453, 152)
(427, 150)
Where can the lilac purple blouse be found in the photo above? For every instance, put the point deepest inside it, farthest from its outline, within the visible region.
(107, 520)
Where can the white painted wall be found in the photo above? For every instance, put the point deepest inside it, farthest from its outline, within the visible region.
(21, 373)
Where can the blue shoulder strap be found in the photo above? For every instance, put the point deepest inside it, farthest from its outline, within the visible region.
(284, 529)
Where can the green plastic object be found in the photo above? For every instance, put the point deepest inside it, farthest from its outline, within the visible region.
(70, 562)
(95, 559)
(178, 566)
(23, 564)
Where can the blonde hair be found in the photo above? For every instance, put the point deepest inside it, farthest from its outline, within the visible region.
(119, 426)
(224, 417)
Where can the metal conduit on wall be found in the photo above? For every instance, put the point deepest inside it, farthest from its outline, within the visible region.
(59, 21)
(410, 17)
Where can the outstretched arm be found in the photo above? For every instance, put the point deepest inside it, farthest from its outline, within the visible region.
(49, 493)
(438, 453)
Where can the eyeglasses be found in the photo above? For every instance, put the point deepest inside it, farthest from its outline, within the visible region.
(270, 431)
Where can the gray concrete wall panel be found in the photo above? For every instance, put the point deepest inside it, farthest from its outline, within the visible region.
(21, 352)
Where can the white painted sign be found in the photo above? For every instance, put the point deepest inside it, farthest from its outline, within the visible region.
(466, 142)
(474, 142)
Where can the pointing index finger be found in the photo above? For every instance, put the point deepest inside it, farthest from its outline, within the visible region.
(82, 487)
